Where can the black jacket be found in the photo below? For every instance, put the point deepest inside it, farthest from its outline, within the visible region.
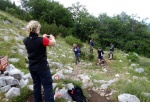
(36, 52)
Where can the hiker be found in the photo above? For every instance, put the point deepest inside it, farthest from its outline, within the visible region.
(38, 65)
(100, 56)
(91, 46)
(111, 53)
(77, 52)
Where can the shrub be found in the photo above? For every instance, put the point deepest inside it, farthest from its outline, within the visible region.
(133, 57)
(64, 31)
(86, 56)
(71, 40)
(55, 30)
(49, 29)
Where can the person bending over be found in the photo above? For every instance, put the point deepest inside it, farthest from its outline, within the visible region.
(100, 56)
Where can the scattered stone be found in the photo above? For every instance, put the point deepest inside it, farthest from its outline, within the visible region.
(139, 70)
(133, 65)
(117, 75)
(146, 94)
(2, 82)
(13, 59)
(120, 60)
(127, 98)
(102, 94)
(30, 87)
(13, 92)
(5, 88)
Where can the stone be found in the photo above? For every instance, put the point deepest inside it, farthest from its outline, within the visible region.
(5, 88)
(139, 70)
(30, 87)
(13, 92)
(127, 98)
(2, 82)
(13, 82)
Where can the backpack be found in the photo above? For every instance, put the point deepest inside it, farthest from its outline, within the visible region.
(77, 94)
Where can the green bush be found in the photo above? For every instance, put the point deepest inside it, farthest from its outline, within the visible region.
(49, 29)
(91, 57)
(86, 56)
(64, 31)
(55, 30)
(72, 40)
(133, 57)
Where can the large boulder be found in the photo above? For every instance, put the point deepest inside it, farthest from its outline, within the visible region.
(127, 98)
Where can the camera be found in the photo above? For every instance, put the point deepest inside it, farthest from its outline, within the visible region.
(48, 36)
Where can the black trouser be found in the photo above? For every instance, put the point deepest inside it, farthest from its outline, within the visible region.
(77, 59)
(44, 78)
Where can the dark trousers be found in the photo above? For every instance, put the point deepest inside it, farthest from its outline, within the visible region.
(77, 59)
(44, 78)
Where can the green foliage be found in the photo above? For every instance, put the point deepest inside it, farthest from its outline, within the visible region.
(55, 30)
(134, 87)
(145, 62)
(74, 82)
(63, 31)
(133, 57)
(49, 29)
(25, 92)
(72, 40)
(61, 82)
(60, 100)
(89, 57)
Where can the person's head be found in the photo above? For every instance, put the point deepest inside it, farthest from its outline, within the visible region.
(33, 26)
(74, 45)
(99, 48)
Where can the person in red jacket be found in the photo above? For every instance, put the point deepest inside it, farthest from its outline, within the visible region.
(38, 65)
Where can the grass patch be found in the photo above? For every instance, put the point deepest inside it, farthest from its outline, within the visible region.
(24, 93)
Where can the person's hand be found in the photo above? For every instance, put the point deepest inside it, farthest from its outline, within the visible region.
(44, 35)
(51, 36)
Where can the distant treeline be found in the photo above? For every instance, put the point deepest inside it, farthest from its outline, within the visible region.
(124, 31)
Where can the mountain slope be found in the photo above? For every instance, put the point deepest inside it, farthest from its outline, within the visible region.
(117, 77)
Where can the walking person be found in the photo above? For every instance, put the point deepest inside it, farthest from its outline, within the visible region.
(91, 46)
(77, 52)
(111, 53)
(38, 65)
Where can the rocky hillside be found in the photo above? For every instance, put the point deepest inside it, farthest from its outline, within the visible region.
(120, 79)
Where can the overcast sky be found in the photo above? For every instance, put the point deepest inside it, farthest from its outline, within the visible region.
(111, 7)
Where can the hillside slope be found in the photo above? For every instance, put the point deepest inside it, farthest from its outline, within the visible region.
(99, 82)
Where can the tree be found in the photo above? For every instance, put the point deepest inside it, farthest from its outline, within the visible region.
(50, 12)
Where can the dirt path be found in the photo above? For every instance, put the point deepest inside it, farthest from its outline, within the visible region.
(94, 97)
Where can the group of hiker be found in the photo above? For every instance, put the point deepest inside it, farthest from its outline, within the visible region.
(100, 52)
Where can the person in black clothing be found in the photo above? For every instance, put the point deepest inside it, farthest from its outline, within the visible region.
(111, 54)
(38, 65)
(100, 56)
